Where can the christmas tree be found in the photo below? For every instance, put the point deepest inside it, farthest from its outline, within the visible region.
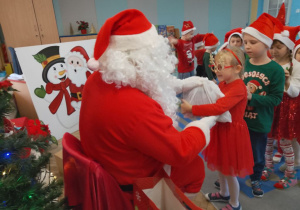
(24, 180)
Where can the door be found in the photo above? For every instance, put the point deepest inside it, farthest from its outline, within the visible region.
(19, 25)
(46, 21)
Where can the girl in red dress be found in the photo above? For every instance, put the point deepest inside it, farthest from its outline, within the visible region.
(229, 151)
(286, 122)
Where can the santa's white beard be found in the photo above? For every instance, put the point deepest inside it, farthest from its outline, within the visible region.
(77, 77)
(148, 69)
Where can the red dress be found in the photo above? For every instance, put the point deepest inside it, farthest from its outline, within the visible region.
(229, 150)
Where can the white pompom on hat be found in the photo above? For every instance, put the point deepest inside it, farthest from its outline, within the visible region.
(127, 30)
(287, 36)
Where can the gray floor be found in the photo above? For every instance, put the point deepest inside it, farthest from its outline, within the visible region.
(288, 199)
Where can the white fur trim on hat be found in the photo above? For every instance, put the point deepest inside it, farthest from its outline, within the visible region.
(210, 47)
(285, 40)
(199, 44)
(237, 33)
(187, 31)
(77, 54)
(295, 50)
(133, 42)
(258, 35)
(223, 46)
(93, 64)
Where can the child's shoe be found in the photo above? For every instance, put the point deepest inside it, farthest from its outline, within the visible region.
(230, 207)
(217, 184)
(287, 181)
(256, 189)
(277, 157)
(267, 173)
(216, 197)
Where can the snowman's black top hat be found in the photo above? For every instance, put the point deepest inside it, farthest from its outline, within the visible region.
(48, 57)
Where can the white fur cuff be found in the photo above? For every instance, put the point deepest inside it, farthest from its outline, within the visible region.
(205, 129)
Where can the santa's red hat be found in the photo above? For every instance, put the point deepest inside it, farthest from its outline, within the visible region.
(187, 27)
(263, 28)
(297, 46)
(79, 52)
(127, 30)
(287, 36)
(281, 14)
(256, 84)
(210, 41)
(229, 34)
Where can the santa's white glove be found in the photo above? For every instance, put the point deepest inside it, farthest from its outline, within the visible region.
(187, 84)
(192, 82)
(205, 124)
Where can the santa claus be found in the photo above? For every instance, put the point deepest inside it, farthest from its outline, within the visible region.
(129, 107)
(76, 62)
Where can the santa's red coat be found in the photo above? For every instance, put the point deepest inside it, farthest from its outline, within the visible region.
(128, 133)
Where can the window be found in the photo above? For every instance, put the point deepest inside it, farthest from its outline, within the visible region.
(272, 7)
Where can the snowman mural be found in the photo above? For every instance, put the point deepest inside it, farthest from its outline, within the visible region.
(76, 63)
(57, 94)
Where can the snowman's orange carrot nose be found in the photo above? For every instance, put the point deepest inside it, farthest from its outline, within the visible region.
(61, 72)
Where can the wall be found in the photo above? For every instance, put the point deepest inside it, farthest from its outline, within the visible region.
(295, 17)
(207, 15)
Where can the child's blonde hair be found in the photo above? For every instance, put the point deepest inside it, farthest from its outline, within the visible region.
(234, 62)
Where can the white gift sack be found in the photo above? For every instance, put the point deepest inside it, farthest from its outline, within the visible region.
(207, 93)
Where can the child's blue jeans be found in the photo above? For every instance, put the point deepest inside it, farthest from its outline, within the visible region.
(259, 143)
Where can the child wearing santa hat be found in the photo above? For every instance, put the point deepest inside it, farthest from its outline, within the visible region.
(185, 49)
(211, 42)
(258, 38)
(286, 121)
(233, 38)
(296, 51)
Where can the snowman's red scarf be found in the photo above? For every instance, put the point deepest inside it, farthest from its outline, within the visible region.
(62, 88)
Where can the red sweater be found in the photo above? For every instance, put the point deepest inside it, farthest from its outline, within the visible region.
(185, 53)
(199, 55)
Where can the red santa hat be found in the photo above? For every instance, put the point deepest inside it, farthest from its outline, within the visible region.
(80, 52)
(287, 36)
(187, 27)
(210, 41)
(127, 30)
(297, 46)
(256, 84)
(281, 14)
(263, 28)
(229, 34)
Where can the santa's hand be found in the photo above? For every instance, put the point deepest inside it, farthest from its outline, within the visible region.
(192, 82)
(40, 92)
(205, 124)
(186, 107)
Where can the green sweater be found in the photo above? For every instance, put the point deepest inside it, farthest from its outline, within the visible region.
(206, 64)
(266, 84)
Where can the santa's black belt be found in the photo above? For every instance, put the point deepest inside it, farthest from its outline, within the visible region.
(76, 95)
(126, 188)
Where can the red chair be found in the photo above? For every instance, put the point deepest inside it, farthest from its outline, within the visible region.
(87, 185)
